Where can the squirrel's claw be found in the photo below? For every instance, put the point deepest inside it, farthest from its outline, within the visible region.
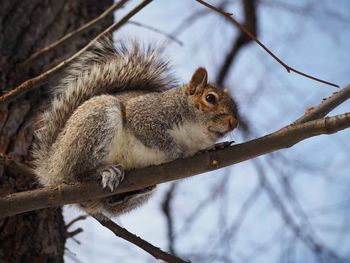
(112, 176)
(220, 145)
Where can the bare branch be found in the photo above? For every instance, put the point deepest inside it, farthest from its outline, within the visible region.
(253, 37)
(326, 106)
(250, 21)
(74, 232)
(140, 178)
(141, 243)
(72, 34)
(37, 81)
(166, 208)
(83, 217)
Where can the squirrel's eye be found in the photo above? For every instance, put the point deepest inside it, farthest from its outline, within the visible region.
(210, 98)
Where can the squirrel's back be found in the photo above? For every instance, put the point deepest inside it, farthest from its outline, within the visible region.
(103, 69)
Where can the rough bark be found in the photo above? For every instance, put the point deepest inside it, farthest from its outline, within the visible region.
(26, 26)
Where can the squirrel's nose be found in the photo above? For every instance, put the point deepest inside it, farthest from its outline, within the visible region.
(232, 122)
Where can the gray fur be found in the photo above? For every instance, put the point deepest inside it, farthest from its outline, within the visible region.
(171, 108)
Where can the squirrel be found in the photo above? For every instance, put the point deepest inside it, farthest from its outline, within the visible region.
(117, 107)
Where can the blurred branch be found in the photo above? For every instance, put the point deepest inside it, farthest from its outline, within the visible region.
(186, 23)
(192, 18)
(250, 22)
(215, 193)
(310, 8)
(253, 37)
(166, 208)
(83, 217)
(33, 83)
(157, 31)
(141, 243)
(319, 249)
(181, 168)
(75, 232)
(232, 231)
(72, 34)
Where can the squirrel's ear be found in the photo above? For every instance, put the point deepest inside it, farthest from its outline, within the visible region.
(198, 81)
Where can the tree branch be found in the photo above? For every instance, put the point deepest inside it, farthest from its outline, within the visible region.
(72, 34)
(166, 208)
(253, 37)
(33, 83)
(250, 22)
(143, 244)
(83, 217)
(326, 106)
(138, 179)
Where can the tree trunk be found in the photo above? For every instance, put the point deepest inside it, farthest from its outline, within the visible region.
(26, 26)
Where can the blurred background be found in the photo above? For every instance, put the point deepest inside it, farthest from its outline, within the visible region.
(288, 206)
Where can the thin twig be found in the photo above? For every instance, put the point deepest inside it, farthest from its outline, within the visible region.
(75, 232)
(181, 168)
(71, 35)
(141, 243)
(157, 31)
(253, 37)
(83, 217)
(37, 81)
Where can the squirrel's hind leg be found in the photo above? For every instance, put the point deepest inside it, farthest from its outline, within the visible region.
(124, 202)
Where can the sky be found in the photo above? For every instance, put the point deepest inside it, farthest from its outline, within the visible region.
(311, 38)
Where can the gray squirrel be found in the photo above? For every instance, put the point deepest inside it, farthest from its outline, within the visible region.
(117, 108)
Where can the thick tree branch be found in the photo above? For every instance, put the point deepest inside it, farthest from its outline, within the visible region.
(137, 179)
(253, 37)
(33, 83)
(143, 244)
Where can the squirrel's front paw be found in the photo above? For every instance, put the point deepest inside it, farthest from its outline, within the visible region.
(112, 175)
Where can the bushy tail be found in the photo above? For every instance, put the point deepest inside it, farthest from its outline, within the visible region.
(102, 69)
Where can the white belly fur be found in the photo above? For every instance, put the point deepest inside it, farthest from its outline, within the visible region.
(192, 136)
(128, 151)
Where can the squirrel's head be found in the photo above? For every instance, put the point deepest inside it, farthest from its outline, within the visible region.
(214, 107)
